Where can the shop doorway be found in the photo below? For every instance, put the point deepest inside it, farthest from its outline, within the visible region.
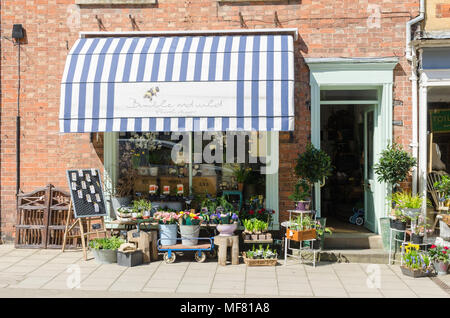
(347, 130)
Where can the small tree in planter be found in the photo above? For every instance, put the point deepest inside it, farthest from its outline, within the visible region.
(313, 165)
(394, 165)
(302, 192)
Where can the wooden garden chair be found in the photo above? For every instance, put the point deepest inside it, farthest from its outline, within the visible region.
(437, 196)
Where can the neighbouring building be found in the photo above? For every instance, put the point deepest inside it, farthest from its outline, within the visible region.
(287, 72)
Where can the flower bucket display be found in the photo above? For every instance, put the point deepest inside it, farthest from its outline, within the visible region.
(189, 234)
(440, 258)
(168, 234)
(441, 268)
(167, 227)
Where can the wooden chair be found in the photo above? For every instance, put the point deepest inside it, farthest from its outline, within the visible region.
(437, 196)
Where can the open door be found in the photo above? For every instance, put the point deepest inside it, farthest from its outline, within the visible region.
(369, 175)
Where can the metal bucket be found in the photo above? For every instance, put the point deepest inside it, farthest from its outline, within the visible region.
(168, 234)
(105, 256)
(189, 234)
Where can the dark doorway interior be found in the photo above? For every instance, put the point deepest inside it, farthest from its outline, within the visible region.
(342, 137)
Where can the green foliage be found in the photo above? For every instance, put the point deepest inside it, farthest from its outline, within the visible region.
(313, 165)
(443, 186)
(415, 259)
(439, 253)
(302, 191)
(141, 205)
(261, 253)
(405, 200)
(394, 165)
(112, 243)
(242, 173)
(255, 226)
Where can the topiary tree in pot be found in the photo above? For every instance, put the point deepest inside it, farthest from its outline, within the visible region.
(312, 166)
(393, 167)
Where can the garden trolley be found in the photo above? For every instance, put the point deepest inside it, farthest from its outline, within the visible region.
(201, 250)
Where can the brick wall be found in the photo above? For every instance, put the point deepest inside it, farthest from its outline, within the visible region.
(338, 28)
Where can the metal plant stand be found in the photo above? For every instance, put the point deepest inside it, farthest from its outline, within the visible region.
(287, 245)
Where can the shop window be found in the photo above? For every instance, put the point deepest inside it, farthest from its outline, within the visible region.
(179, 164)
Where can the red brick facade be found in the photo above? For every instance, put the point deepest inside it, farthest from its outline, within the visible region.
(338, 28)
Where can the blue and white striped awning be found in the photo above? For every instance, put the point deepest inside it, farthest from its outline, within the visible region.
(198, 83)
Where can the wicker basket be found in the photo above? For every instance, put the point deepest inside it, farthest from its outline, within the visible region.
(301, 235)
(259, 262)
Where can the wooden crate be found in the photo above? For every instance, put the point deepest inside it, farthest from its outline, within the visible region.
(259, 262)
(40, 220)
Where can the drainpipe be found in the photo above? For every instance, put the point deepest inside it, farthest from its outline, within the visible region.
(411, 56)
(409, 24)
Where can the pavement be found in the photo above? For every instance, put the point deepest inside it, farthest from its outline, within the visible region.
(50, 273)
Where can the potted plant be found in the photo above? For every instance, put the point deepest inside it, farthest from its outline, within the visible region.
(406, 206)
(241, 173)
(416, 263)
(320, 231)
(124, 213)
(312, 166)
(440, 258)
(189, 227)
(122, 193)
(393, 167)
(301, 195)
(167, 223)
(226, 222)
(302, 229)
(142, 209)
(443, 186)
(105, 249)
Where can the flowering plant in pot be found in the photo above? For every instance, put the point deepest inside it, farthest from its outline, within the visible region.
(440, 258)
(416, 263)
(190, 227)
(419, 228)
(105, 249)
(142, 208)
(260, 256)
(255, 209)
(167, 226)
(320, 231)
(227, 222)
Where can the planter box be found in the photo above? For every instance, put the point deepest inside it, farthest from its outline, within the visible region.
(413, 273)
(259, 262)
(301, 235)
(129, 259)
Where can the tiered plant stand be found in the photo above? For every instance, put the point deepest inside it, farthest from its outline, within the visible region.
(287, 241)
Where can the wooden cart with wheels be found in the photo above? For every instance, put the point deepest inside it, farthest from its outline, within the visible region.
(201, 250)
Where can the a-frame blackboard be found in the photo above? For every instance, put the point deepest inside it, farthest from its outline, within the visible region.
(86, 193)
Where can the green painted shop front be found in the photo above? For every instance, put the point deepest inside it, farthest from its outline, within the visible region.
(367, 84)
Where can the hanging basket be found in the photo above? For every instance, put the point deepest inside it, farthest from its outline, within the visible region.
(299, 236)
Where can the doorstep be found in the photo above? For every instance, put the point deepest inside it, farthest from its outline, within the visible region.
(368, 256)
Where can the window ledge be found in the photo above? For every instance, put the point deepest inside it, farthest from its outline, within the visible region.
(115, 1)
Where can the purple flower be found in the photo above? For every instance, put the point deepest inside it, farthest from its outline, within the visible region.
(234, 216)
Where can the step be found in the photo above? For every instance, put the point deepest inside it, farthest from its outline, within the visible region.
(366, 256)
(353, 241)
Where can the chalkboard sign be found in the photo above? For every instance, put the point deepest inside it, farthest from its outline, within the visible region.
(86, 193)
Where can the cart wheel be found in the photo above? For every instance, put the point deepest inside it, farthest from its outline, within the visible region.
(212, 253)
(200, 256)
(359, 221)
(171, 259)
